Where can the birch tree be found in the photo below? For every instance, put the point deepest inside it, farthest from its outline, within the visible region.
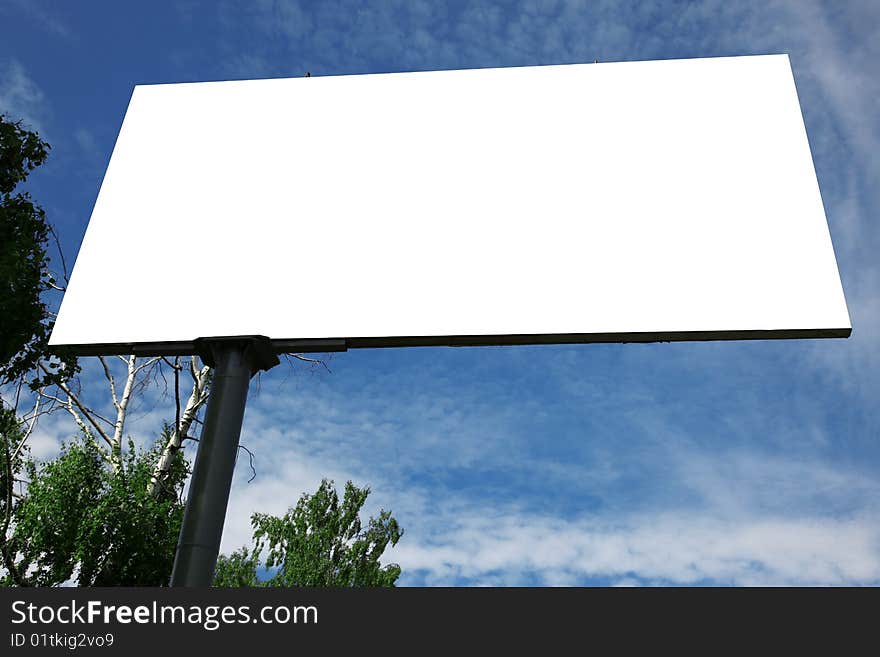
(319, 542)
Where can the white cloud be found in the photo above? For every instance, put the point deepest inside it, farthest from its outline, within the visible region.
(50, 432)
(90, 151)
(680, 548)
(20, 97)
(838, 63)
(752, 520)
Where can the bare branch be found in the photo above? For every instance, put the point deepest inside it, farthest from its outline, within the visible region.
(72, 399)
(47, 410)
(138, 387)
(60, 252)
(88, 432)
(76, 382)
(26, 418)
(65, 404)
(112, 382)
(314, 361)
(175, 365)
(35, 414)
(147, 363)
(18, 393)
(164, 381)
(251, 456)
(143, 374)
(29, 429)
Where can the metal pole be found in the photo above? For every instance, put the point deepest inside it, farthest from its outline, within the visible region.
(202, 528)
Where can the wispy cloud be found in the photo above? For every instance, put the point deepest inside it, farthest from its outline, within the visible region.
(728, 517)
(50, 432)
(748, 521)
(46, 19)
(20, 97)
(677, 548)
(89, 148)
(841, 65)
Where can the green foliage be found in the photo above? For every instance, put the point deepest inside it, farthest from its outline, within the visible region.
(237, 570)
(320, 542)
(82, 519)
(24, 273)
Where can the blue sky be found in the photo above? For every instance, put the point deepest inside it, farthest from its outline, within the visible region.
(737, 463)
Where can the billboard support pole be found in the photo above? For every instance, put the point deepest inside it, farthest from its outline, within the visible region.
(235, 360)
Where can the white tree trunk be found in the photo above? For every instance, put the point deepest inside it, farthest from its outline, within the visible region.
(197, 399)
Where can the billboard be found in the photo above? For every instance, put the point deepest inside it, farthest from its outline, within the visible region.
(612, 202)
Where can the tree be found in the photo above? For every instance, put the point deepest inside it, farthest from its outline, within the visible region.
(84, 521)
(104, 513)
(317, 543)
(24, 263)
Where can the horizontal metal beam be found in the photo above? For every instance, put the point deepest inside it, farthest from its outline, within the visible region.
(188, 348)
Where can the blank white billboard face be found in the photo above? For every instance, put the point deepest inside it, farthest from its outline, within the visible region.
(632, 201)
